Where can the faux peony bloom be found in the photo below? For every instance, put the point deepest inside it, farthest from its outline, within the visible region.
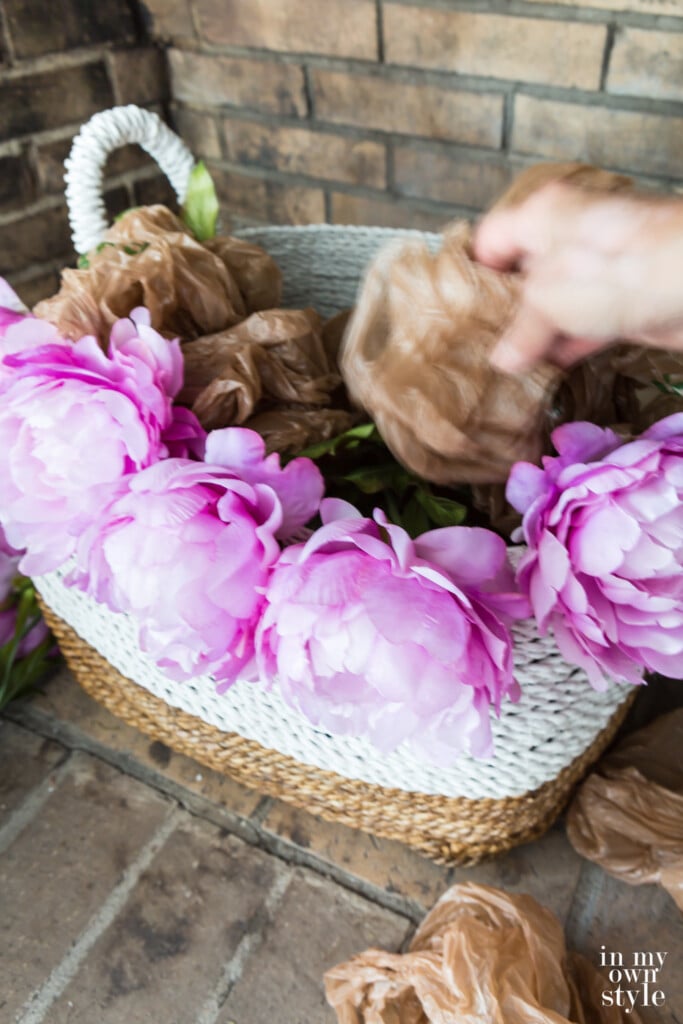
(19, 329)
(12, 309)
(74, 422)
(187, 548)
(371, 633)
(604, 524)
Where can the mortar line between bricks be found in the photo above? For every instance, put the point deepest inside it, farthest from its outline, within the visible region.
(33, 803)
(250, 832)
(607, 56)
(38, 1005)
(585, 898)
(247, 945)
(47, 63)
(379, 16)
(6, 38)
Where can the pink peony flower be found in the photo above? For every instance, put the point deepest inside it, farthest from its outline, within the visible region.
(19, 329)
(371, 633)
(187, 548)
(604, 524)
(12, 309)
(74, 422)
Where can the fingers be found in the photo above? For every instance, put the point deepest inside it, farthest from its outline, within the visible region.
(567, 351)
(506, 238)
(499, 241)
(530, 337)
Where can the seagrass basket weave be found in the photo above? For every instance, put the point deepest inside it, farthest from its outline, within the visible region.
(544, 743)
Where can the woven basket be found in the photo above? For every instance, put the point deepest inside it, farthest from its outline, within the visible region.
(544, 744)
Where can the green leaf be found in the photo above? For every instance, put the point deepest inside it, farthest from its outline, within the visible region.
(135, 249)
(373, 479)
(669, 386)
(349, 439)
(200, 210)
(414, 518)
(83, 263)
(441, 511)
(18, 675)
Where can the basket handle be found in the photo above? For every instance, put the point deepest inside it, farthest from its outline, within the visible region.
(84, 166)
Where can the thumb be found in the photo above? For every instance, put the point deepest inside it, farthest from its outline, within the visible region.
(527, 340)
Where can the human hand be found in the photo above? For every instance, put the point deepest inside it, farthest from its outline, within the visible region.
(595, 268)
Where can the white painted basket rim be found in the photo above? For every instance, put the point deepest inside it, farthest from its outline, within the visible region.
(556, 720)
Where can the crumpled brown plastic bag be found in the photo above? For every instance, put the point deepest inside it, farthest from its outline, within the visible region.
(480, 956)
(416, 357)
(628, 814)
(149, 258)
(272, 372)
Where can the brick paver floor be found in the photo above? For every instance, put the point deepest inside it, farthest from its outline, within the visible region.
(138, 887)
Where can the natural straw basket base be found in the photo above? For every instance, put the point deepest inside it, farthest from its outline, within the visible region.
(449, 830)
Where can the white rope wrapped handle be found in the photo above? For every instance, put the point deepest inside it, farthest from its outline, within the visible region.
(84, 167)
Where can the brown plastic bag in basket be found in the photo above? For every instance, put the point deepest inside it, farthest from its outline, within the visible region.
(274, 367)
(149, 258)
(628, 814)
(481, 955)
(416, 357)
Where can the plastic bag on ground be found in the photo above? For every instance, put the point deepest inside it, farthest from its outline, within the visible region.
(480, 956)
(627, 815)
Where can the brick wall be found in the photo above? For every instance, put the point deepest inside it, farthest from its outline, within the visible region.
(367, 111)
(406, 113)
(60, 62)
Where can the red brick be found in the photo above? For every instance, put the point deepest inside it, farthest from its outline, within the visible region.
(182, 923)
(49, 26)
(647, 64)
(386, 213)
(449, 177)
(117, 201)
(386, 864)
(340, 28)
(168, 19)
(63, 865)
(300, 151)
(17, 182)
(633, 919)
(318, 925)
(547, 869)
(671, 7)
(36, 238)
(385, 104)
(25, 760)
(200, 132)
(157, 189)
(630, 140)
(266, 201)
(64, 701)
(260, 85)
(139, 75)
(51, 157)
(32, 103)
(36, 288)
(525, 49)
